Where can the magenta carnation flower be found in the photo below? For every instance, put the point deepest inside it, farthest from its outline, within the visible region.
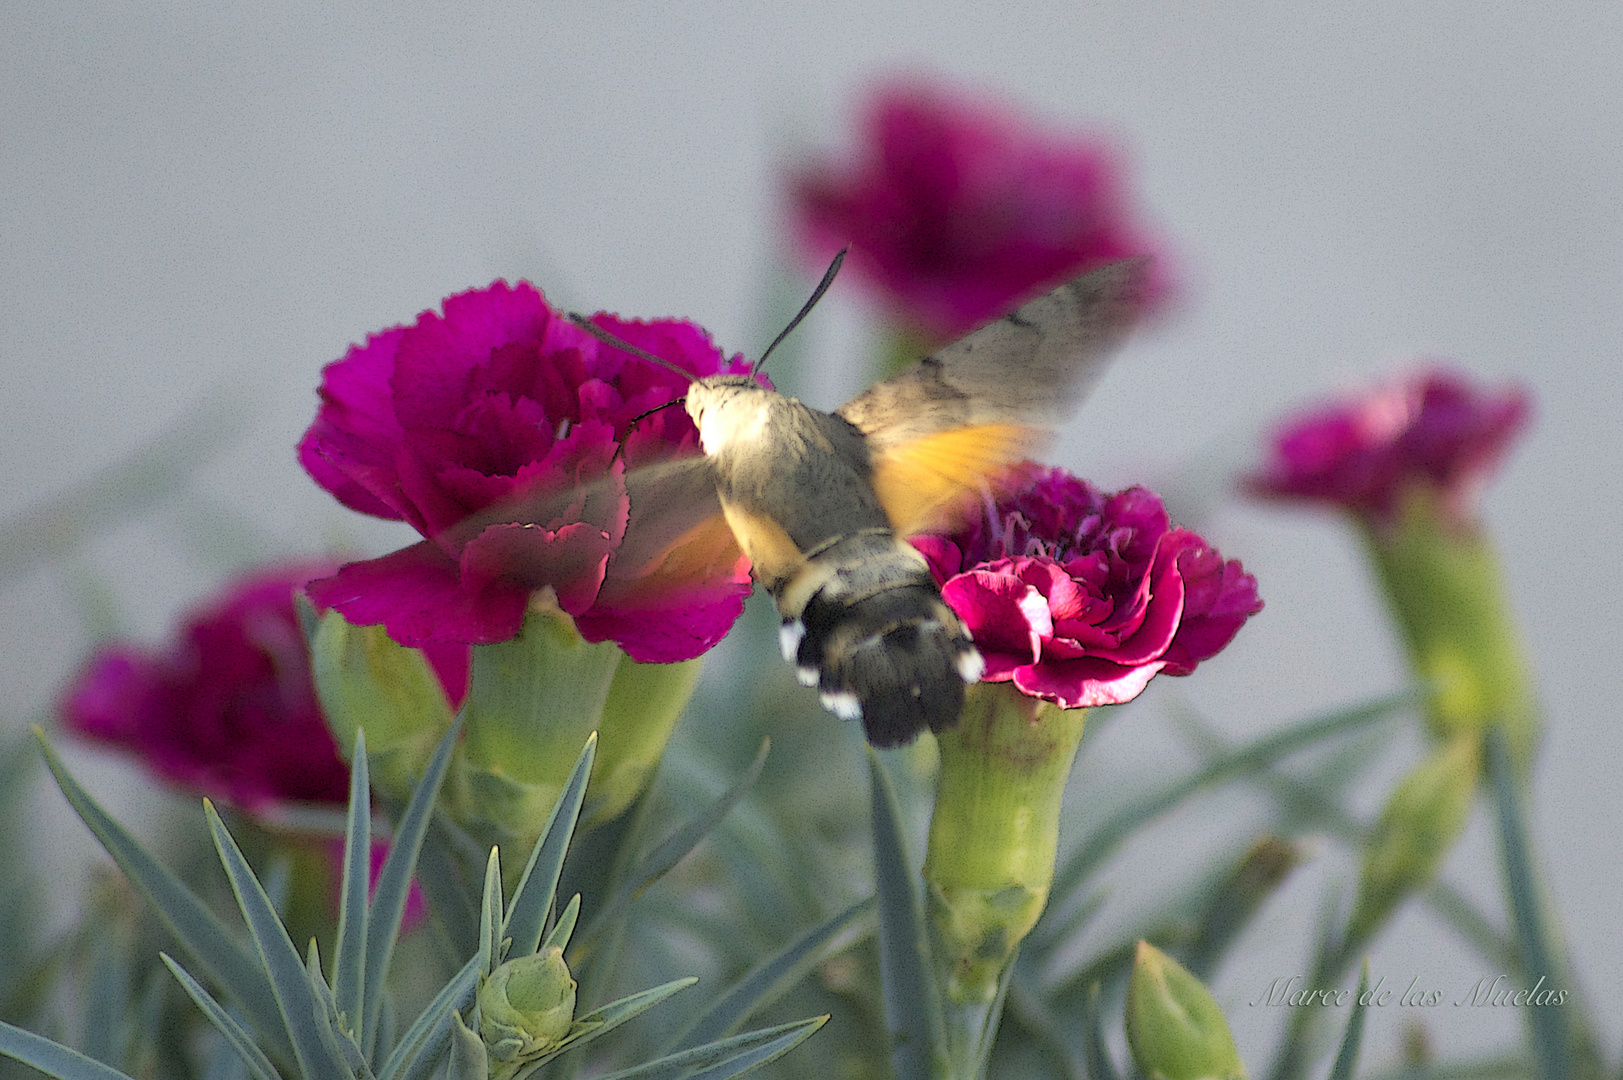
(1080, 597)
(457, 422)
(1434, 429)
(958, 208)
(228, 709)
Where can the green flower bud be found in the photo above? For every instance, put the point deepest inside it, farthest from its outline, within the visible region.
(1420, 823)
(525, 1008)
(995, 830)
(366, 680)
(1448, 594)
(1174, 1028)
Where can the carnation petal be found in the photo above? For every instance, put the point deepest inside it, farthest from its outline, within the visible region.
(416, 593)
(1084, 683)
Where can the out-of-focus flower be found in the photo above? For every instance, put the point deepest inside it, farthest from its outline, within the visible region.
(1174, 1027)
(1407, 463)
(1075, 598)
(1080, 598)
(228, 709)
(502, 432)
(958, 208)
(1434, 431)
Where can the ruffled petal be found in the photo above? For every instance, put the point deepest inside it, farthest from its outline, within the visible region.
(1076, 684)
(417, 595)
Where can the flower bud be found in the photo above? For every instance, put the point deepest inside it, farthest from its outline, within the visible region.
(995, 830)
(1447, 593)
(1420, 823)
(1174, 1027)
(365, 680)
(525, 1008)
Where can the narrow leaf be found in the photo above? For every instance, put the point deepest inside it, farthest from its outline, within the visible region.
(239, 1040)
(1100, 1067)
(290, 982)
(394, 879)
(1550, 1048)
(349, 963)
(205, 939)
(1346, 1066)
(432, 1027)
(52, 1058)
(912, 1000)
(769, 980)
(615, 1013)
(1250, 758)
(670, 852)
(490, 913)
(564, 928)
(726, 1057)
(533, 897)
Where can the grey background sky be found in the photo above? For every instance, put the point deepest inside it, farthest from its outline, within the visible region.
(205, 195)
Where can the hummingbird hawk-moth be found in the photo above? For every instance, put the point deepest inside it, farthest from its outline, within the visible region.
(821, 503)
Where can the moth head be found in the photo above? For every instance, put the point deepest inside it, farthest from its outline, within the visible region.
(727, 409)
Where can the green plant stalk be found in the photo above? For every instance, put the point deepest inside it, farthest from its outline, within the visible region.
(1422, 820)
(994, 833)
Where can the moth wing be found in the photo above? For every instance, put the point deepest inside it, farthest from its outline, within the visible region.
(922, 482)
(676, 533)
(954, 421)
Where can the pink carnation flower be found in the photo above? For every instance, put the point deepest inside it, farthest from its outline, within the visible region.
(1080, 597)
(456, 422)
(958, 208)
(1434, 429)
(229, 709)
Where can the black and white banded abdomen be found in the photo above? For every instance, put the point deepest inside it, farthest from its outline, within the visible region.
(865, 624)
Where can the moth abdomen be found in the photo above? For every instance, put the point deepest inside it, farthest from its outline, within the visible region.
(878, 641)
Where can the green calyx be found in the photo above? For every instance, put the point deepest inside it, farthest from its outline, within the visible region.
(364, 679)
(1447, 591)
(994, 833)
(1174, 1027)
(533, 700)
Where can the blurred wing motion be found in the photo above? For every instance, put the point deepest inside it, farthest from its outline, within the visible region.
(956, 420)
(822, 503)
(676, 533)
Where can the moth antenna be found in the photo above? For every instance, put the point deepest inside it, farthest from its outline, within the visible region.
(817, 294)
(619, 343)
